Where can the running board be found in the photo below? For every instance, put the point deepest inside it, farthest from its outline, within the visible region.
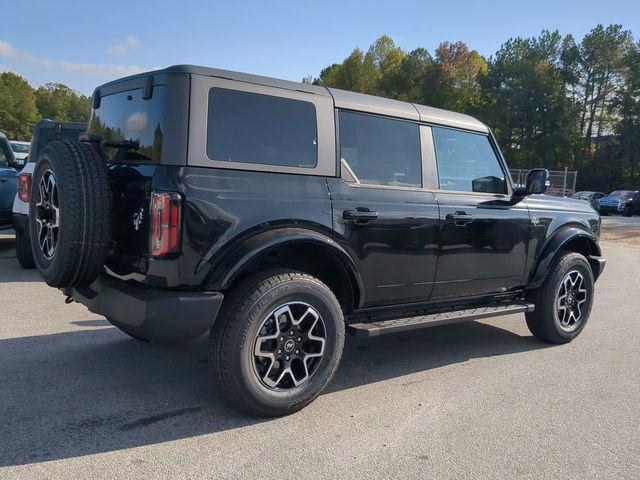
(373, 329)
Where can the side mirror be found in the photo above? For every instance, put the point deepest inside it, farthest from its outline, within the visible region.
(536, 183)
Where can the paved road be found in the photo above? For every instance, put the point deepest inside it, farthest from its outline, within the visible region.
(78, 399)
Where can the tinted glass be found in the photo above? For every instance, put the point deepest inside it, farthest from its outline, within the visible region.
(261, 129)
(381, 151)
(131, 128)
(467, 162)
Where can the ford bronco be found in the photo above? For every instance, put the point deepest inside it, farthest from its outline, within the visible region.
(279, 216)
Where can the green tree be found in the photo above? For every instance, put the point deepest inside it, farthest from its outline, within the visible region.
(18, 111)
(58, 102)
(525, 101)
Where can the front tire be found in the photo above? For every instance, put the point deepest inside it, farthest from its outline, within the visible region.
(563, 302)
(626, 212)
(277, 342)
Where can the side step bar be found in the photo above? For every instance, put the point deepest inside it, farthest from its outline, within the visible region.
(373, 329)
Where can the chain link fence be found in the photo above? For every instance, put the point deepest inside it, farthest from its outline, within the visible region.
(563, 182)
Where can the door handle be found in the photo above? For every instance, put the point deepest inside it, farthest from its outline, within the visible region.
(360, 215)
(459, 219)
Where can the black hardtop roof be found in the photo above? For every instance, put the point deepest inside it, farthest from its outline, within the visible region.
(341, 98)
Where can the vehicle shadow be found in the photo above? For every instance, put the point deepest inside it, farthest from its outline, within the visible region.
(97, 390)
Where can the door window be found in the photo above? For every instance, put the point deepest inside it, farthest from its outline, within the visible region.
(380, 151)
(467, 162)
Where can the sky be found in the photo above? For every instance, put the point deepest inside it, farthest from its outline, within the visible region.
(84, 44)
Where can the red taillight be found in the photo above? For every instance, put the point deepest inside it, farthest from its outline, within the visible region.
(166, 216)
(24, 187)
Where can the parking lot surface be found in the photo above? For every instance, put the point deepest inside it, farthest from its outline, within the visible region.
(79, 399)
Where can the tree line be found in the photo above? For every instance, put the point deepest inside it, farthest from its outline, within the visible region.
(551, 101)
(21, 106)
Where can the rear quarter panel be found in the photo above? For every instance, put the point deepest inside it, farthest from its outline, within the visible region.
(224, 207)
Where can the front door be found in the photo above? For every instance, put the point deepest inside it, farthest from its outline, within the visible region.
(381, 213)
(483, 234)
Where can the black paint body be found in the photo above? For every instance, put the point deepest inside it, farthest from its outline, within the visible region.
(411, 253)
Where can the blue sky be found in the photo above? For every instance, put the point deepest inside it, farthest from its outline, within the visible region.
(84, 45)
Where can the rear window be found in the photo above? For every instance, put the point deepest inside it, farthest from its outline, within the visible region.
(260, 129)
(131, 128)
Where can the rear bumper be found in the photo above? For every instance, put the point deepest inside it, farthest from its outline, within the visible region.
(150, 313)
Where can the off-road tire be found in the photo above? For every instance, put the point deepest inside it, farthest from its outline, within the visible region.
(84, 197)
(23, 250)
(233, 335)
(543, 322)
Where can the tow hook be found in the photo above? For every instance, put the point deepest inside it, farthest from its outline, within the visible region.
(69, 299)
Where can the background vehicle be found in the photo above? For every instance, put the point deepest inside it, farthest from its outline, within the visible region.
(43, 132)
(8, 180)
(619, 201)
(20, 150)
(203, 199)
(591, 197)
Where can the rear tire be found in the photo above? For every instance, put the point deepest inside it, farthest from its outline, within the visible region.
(23, 250)
(70, 214)
(261, 359)
(626, 212)
(558, 320)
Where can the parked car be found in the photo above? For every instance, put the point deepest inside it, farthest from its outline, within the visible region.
(280, 215)
(44, 132)
(8, 180)
(625, 202)
(20, 150)
(588, 196)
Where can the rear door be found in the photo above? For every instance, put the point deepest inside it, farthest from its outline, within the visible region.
(483, 235)
(382, 214)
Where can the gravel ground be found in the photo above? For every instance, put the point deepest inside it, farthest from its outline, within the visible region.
(79, 399)
(621, 229)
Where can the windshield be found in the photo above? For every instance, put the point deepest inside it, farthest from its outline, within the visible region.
(621, 194)
(20, 147)
(131, 128)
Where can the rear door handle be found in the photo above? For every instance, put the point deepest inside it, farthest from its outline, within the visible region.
(458, 218)
(360, 215)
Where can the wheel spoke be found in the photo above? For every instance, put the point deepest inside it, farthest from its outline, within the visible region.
(572, 294)
(289, 346)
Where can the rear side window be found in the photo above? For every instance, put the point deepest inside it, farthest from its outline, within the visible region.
(261, 129)
(467, 162)
(380, 151)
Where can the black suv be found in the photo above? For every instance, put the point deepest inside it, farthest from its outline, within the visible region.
(280, 215)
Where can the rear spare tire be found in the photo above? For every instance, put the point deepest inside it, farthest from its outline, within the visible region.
(70, 213)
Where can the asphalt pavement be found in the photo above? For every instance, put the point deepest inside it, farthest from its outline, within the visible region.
(79, 399)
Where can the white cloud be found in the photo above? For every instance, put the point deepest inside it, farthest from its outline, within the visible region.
(121, 49)
(132, 41)
(94, 70)
(7, 50)
(117, 50)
